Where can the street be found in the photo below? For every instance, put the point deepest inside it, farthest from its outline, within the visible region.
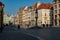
(30, 20)
(12, 33)
(46, 34)
(15, 36)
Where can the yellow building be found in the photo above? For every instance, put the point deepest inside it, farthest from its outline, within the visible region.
(56, 13)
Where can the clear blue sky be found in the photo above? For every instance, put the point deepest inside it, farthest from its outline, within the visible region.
(12, 6)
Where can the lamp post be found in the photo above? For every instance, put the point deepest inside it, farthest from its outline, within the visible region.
(36, 15)
(18, 16)
(19, 20)
(1, 16)
(45, 19)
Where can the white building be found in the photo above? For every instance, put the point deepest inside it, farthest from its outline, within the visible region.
(45, 14)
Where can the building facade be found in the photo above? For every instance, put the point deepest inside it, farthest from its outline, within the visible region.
(45, 14)
(1, 14)
(17, 19)
(56, 13)
(6, 19)
(27, 17)
(12, 19)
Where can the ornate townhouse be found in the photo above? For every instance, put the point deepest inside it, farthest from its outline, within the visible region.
(56, 11)
(45, 14)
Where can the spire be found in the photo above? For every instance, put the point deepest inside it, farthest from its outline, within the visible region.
(38, 4)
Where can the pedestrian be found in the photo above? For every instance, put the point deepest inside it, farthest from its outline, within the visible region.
(1, 28)
(18, 26)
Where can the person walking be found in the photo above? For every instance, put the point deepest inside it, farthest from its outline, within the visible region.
(18, 26)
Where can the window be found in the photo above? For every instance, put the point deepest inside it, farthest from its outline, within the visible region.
(55, 6)
(59, 15)
(59, 1)
(55, 22)
(55, 1)
(55, 16)
(59, 11)
(56, 11)
(59, 5)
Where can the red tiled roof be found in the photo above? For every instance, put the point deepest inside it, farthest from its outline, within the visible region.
(43, 6)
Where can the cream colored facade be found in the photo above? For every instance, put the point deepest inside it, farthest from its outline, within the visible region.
(44, 17)
(28, 17)
(19, 16)
(16, 19)
(45, 14)
(6, 19)
(56, 13)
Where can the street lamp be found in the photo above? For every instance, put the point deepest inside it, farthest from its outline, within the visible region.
(18, 16)
(36, 15)
(1, 15)
(45, 19)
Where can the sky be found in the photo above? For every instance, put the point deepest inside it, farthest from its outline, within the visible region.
(12, 6)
